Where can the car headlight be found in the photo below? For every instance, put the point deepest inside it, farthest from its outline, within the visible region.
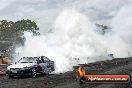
(8, 69)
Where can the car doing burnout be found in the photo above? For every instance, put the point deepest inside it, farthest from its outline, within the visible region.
(31, 66)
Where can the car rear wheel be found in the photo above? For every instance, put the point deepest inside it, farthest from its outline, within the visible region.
(34, 73)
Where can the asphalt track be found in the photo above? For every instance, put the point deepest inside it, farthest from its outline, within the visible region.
(68, 79)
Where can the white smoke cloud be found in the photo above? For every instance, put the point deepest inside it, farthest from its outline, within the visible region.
(73, 36)
(122, 26)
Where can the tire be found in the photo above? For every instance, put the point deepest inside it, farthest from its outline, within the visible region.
(34, 73)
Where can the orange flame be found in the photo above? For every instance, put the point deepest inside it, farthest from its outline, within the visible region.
(81, 71)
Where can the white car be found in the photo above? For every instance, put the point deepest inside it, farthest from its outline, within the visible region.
(31, 66)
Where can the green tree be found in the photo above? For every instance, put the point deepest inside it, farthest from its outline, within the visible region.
(11, 32)
(104, 28)
(26, 25)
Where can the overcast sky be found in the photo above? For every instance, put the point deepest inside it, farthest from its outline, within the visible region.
(45, 12)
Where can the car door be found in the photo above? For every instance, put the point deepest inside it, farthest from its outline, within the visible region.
(39, 66)
(43, 65)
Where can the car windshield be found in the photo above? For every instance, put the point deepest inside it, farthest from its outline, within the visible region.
(27, 60)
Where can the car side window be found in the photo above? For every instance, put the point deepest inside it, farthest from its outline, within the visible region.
(42, 59)
(38, 61)
(46, 60)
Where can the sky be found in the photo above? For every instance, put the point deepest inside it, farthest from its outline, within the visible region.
(45, 12)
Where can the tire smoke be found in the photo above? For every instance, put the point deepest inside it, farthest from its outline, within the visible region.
(75, 36)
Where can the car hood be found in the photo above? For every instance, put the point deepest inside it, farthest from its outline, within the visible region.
(20, 65)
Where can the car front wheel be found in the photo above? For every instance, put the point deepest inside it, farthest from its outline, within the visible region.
(34, 73)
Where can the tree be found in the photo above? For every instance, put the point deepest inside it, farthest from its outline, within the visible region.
(26, 25)
(104, 28)
(11, 32)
